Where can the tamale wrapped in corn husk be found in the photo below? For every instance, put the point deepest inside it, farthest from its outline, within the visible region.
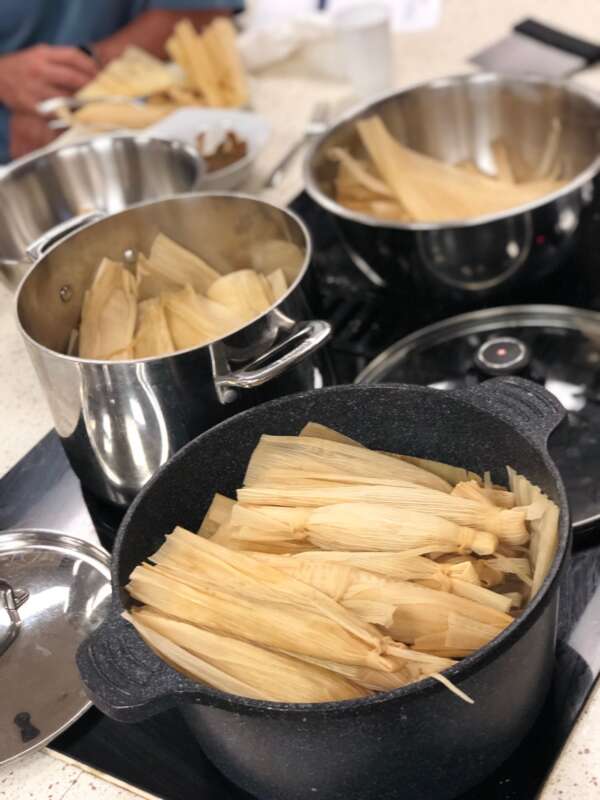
(375, 526)
(513, 566)
(279, 677)
(462, 636)
(200, 560)
(308, 454)
(150, 281)
(109, 312)
(244, 292)
(194, 320)
(507, 524)
(179, 265)
(277, 284)
(152, 336)
(472, 490)
(408, 611)
(279, 626)
(218, 513)
(276, 255)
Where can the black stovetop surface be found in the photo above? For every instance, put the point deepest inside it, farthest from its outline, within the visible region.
(160, 755)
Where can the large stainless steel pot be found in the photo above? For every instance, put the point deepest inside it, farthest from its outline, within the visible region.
(49, 193)
(120, 421)
(488, 258)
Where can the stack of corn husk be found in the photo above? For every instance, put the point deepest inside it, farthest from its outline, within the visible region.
(174, 300)
(394, 182)
(340, 571)
(210, 73)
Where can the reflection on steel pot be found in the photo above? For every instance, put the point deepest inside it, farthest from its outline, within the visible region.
(46, 195)
(419, 742)
(454, 119)
(120, 421)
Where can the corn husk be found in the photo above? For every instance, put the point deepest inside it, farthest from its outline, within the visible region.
(512, 566)
(198, 561)
(273, 676)
(152, 337)
(150, 281)
(277, 284)
(472, 490)
(308, 454)
(273, 255)
(507, 524)
(374, 526)
(179, 265)
(219, 512)
(432, 191)
(109, 312)
(194, 320)
(244, 292)
(462, 636)
(278, 626)
(408, 611)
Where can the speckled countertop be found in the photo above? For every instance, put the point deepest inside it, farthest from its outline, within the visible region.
(285, 95)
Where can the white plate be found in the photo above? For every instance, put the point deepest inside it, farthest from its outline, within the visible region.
(186, 123)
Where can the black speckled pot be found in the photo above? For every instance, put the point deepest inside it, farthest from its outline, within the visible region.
(416, 743)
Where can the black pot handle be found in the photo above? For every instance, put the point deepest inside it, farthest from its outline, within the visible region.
(525, 405)
(123, 677)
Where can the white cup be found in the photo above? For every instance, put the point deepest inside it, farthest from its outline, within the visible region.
(363, 33)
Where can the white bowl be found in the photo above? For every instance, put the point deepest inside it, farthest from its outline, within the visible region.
(186, 123)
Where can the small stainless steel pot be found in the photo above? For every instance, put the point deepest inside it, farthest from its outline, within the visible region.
(458, 118)
(47, 194)
(120, 421)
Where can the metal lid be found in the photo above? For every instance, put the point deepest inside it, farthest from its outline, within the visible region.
(556, 346)
(54, 591)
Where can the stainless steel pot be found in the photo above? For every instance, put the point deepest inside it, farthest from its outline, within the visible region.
(120, 421)
(47, 194)
(454, 119)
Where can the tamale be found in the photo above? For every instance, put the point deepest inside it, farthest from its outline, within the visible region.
(279, 677)
(449, 473)
(194, 320)
(472, 490)
(277, 284)
(109, 311)
(279, 626)
(180, 265)
(373, 526)
(308, 454)
(152, 336)
(218, 512)
(150, 281)
(274, 255)
(200, 560)
(507, 524)
(244, 292)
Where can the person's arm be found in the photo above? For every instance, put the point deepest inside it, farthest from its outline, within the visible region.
(37, 73)
(150, 31)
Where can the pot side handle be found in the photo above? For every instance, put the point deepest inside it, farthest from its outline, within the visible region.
(37, 248)
(304, 338)
(123, 677)
(525, 405)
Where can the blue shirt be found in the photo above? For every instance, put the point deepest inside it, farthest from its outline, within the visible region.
(24, 23)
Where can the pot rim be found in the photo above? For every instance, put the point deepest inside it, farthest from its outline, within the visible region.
(460, 671)
(430, 334)
(325, 201)
(308, 254)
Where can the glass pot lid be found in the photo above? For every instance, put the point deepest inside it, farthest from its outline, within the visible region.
(555, 346)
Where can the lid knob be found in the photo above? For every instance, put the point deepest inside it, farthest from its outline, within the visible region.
(502, 355)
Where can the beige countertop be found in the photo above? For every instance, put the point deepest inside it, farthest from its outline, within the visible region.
(285, 94)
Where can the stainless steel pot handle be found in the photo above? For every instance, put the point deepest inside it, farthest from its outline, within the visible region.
(38, 248)
(303, 339)
(10, 601)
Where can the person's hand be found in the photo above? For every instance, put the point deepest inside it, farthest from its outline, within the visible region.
(27, 132)
(37, 73)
